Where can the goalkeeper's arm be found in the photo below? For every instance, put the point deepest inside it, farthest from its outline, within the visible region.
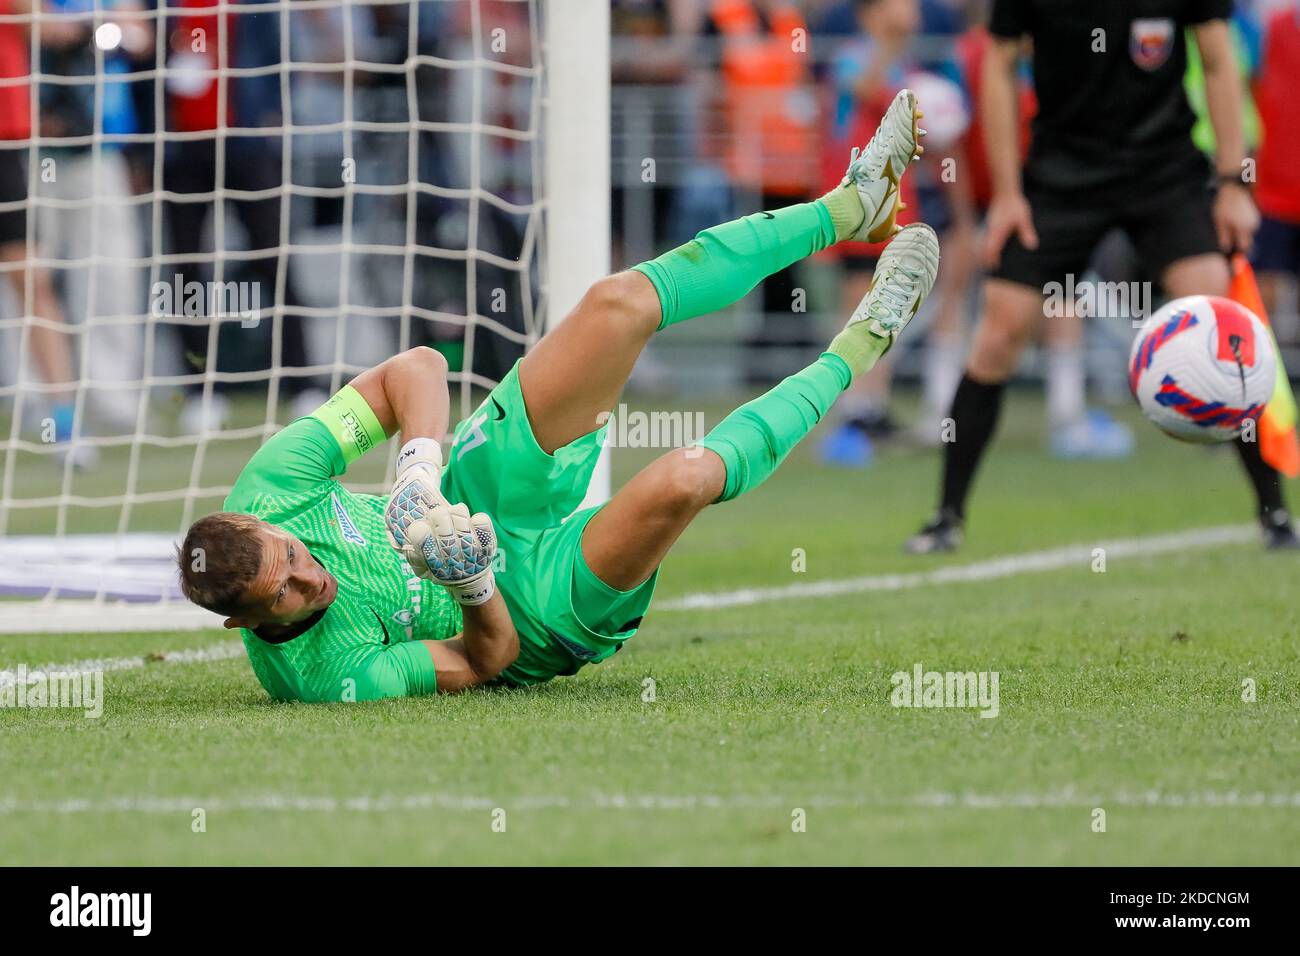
(486, 647)
(408, 393)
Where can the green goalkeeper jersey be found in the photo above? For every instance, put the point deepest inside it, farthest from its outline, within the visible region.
(366, 644)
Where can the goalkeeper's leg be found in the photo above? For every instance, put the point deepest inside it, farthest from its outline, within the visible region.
(627, 539)
(580, 367)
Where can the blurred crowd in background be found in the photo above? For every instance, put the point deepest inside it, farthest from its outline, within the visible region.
(367, 193)
(738, 121)
(719, 108)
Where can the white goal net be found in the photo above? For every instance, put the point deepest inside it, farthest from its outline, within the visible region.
(215, 212)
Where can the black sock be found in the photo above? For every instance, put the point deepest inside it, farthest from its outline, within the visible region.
(975, 409)
(1264, 478)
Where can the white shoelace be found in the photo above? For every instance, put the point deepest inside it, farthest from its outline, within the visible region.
(894, 296)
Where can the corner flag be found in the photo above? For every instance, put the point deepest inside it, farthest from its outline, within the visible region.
(1278, 443)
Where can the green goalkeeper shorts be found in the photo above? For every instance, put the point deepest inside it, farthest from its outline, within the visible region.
(565, 616)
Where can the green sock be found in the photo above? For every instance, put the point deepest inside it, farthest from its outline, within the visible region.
(859, 348)
(754, 439)
(722, 264)
(845, 208)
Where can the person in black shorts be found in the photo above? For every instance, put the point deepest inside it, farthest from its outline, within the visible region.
(1111, 149)
(13, 188)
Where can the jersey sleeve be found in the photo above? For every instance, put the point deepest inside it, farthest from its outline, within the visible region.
(1010, 19)
(311, 450)
(402, 670)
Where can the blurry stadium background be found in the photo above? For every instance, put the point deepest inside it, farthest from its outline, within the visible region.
(374, 174)
(452, 172)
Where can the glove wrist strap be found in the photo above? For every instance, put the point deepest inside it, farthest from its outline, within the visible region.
(473, 593)
(419, 450)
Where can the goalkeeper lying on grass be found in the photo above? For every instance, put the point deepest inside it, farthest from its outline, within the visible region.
(330, 610)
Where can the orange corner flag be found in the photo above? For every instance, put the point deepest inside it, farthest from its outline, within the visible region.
(1278, 443)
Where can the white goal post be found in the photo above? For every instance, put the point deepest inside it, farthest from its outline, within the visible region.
(577, 165)
(125, 580)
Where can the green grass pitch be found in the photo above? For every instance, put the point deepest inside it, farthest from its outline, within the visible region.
(771, 738)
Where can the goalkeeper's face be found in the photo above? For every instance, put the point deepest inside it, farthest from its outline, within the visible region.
(290, 585)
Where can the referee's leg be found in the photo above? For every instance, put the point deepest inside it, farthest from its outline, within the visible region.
(1010, 314)
(1207, 274)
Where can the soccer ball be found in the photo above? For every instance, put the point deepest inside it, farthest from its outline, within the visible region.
(946, 117)
(1202, 367)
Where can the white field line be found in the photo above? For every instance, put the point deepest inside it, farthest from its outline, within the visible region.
(979, 571)
(1080, 556)
(1053, 559)
(198, 655)
(75, 616)
(1067, 798)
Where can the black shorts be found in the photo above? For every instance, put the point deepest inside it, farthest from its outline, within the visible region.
(1277, 246)
(13, 188)
(1165, 225)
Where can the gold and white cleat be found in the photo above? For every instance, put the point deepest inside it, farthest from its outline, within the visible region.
(904, 276)
(876, 172)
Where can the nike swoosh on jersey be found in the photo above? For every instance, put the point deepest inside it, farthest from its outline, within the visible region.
(501, 412)
(381, 623)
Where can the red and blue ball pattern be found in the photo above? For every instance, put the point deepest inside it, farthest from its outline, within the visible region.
(1202, 367)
